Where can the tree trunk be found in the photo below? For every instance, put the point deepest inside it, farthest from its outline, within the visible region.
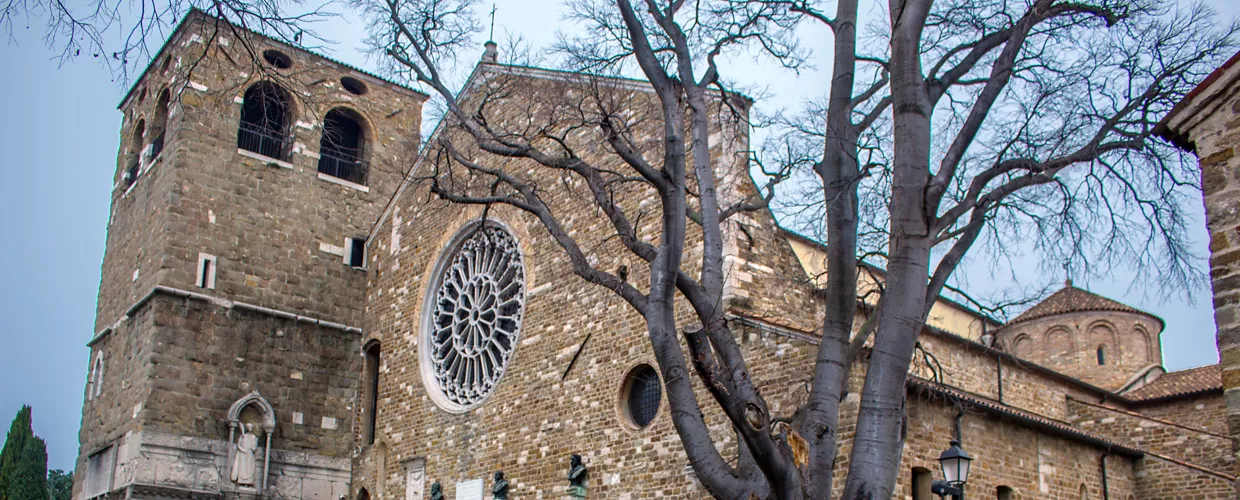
(879, 439)
(838, 172)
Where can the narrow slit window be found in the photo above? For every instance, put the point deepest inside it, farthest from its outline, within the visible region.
(355, 254)
(98, 376)
(372, 392)
(206, 271)
(1102, 356)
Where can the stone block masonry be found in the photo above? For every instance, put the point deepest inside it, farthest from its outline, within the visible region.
(282, 315)
(1207, 122)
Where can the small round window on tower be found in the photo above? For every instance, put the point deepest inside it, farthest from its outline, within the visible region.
(277, 59)
(353, 85)
(640, 395)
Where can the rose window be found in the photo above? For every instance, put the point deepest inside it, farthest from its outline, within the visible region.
(475, 320)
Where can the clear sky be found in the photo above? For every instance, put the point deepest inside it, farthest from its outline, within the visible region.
(61, 140)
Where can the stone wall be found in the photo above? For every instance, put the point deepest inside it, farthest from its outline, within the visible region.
(1178, 438)
(283, 317)
(1208, 122)
(1068, 343)
(1207, 412)
(542, 411)
(278, 228)
(1162, 479)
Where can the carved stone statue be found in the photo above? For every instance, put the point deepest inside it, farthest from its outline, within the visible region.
(436, 491)
(577, 477)
(243, 462)
(499, 490)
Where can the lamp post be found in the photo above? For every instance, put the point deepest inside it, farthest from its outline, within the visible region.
(955, 463)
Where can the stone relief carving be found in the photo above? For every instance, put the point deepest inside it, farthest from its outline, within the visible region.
(415, 479)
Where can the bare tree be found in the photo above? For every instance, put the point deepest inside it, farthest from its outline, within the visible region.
(125, 34)
(980, 116)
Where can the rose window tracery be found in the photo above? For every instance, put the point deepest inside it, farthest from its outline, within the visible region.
(476, 317)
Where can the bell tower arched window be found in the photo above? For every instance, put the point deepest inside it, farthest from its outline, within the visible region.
(159, 123)
(340, 152)
(133, 166)
(264, 121)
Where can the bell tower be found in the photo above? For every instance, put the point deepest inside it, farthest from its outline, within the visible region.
(227, 355)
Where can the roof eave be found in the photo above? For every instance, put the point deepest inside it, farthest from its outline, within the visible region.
(194, 11)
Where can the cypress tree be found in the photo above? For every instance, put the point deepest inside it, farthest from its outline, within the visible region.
(23, 461)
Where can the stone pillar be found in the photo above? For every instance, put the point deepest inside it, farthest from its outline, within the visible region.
(1207, 122)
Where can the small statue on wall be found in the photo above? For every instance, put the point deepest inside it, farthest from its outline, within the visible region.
(243, 462)
(499, 490)
(436, 491)
(577, 477)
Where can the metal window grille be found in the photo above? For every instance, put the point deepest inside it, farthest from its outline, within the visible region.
(340, 152)
(261, 139)
(132, 173)
(342, 164)
(157, 145)
(645, 391)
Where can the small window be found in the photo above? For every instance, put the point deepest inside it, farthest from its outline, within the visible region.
(277, 59)
(922, 479)
(95, 388)
(353, 85)
(1102, 355)
(355, 252)
(1004, 493)
(206, 271)
(142, 95)
(340, 151)
(265, 121)
(163, 68)
(642, 393)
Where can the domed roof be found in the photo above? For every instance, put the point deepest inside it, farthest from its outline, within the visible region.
(1071, 299)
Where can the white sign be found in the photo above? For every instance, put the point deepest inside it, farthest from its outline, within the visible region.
(470, 490)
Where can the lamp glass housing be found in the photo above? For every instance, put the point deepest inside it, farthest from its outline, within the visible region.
(955, 463)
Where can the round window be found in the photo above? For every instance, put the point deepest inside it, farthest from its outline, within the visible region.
(353, 85)
(277, 59)
(472, 316)
(641, 395)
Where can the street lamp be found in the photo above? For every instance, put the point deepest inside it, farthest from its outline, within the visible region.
(955, 464)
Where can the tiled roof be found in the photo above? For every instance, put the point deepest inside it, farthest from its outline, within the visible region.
(1181, 383)
(1024, 417)
(1071, 299)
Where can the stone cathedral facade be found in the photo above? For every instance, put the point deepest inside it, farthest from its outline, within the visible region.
(287, 312)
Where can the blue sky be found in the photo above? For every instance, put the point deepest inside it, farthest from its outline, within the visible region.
(60, 144)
